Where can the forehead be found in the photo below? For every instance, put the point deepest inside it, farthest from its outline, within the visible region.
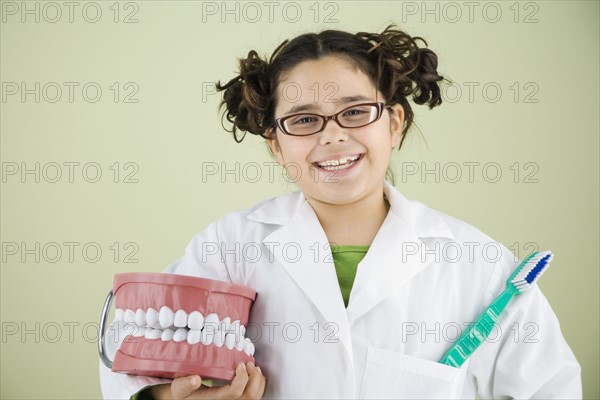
(325, 80)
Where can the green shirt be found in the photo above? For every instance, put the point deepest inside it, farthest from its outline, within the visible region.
(346, 259)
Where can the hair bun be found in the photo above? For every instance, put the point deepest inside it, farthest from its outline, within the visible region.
(426, 78)
(247, 97)
(404, 66)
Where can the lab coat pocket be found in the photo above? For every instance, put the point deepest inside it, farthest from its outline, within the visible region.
(392, 375)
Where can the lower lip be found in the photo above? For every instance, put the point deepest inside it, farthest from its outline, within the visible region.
(340, 172)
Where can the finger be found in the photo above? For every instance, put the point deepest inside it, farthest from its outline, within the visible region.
(184, 386)
(253, 385)
(263, 384)
(236, 388)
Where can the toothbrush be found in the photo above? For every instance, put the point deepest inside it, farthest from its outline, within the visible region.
(522, 279)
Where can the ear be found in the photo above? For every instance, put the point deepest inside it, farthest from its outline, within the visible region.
(396, 124)
(274, 145)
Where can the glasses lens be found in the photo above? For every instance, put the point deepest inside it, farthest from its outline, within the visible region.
(358, 116)
(354, 117)
(303, 124)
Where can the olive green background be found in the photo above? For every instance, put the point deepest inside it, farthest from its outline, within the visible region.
(544, 52)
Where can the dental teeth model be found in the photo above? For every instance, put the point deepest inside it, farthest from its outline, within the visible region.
(192, 327)
(178, 326)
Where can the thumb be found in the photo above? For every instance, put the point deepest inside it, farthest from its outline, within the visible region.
(184, 386)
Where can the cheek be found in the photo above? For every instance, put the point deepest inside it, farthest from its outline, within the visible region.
(296, 149)
(279, 156)
(379, 141)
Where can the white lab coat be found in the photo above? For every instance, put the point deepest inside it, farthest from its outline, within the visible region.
(409, 302)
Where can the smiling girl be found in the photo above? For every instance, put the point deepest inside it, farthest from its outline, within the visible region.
(351, 313)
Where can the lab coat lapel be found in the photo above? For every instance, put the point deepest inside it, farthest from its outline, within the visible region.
(382, 270)
(312, 269)
(385, 267)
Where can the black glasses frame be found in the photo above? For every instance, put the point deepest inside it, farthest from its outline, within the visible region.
(326, 118)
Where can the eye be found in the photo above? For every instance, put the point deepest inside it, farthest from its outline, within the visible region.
(303, 119)
(355, 112)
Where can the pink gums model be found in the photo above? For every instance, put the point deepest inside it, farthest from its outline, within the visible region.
(181, 325)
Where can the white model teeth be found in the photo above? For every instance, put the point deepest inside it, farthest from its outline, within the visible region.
(181, 318)
(140, 317)
(219, 339)
(179, 326)
(195, 320)
(167, 335)
(225, 324)
(180, 335)
(239, 345)
(235, 329)
(341, 161)
(212, 321)
(139, 331)
(129, 316)
(152, 318)
(193, 336)
(207, 337)
(153, 334)
(166, 317)
(230, 340)
(248, 347)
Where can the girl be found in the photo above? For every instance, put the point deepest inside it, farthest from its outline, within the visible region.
(355, 297)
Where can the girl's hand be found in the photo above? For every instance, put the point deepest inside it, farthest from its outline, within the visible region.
(248, 383)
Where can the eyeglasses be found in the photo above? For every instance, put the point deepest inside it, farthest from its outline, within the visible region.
(356, 116)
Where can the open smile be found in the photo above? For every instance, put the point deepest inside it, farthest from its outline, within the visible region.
(339, 164)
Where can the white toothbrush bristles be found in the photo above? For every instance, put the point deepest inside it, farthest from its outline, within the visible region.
(531, 272)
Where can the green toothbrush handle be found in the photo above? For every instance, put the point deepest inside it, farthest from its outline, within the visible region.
(478, 331)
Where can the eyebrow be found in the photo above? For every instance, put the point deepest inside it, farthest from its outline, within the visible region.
(312, 106)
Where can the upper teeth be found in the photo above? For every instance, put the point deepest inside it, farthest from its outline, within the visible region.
(194, 327)
(342, 160)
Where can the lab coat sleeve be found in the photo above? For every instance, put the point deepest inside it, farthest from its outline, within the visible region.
(202, 258)
(526, 355)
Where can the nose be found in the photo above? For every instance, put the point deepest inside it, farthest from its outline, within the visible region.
(332, 133)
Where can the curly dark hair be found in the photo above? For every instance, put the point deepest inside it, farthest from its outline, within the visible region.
(392, 60)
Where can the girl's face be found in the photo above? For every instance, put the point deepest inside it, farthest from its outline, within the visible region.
(326, 86)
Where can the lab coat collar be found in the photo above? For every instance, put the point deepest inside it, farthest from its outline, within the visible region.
(423, 221)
